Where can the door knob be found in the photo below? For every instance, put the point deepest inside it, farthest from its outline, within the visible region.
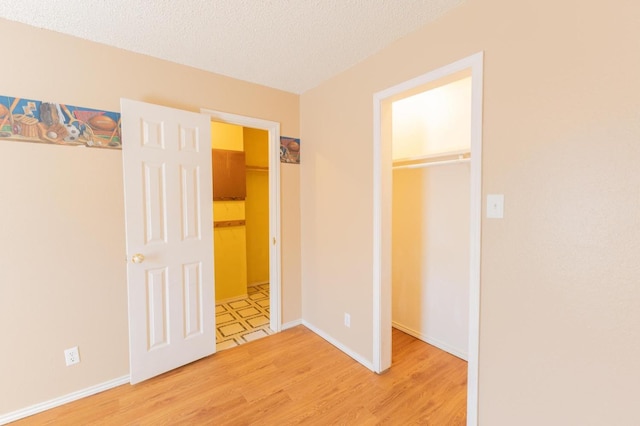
(137, 258)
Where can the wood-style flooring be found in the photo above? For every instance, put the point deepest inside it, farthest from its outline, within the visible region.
(293, 377)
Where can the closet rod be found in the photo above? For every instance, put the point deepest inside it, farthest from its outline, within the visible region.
(432, 163)
(433, 157)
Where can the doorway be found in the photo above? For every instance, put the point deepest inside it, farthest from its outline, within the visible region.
(273, 173)
(430, 215)
(240, 160)
(382, 217)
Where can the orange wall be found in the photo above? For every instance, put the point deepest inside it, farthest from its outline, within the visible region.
(229, 243)
(560, 300)
(256, 147)
(62, 250)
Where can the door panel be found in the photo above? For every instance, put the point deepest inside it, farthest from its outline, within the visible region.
(190, 202)
(167, 173)
(157, 289)
(192, 282)
(155, 208)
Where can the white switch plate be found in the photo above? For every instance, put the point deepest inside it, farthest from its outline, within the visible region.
(495, 206)
(347, 320)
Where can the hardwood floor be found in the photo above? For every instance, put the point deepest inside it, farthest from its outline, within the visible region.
(293, 377)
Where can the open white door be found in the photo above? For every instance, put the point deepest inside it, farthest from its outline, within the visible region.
(167, 181)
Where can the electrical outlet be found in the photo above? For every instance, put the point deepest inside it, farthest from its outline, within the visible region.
(347, 320)
(72, 356)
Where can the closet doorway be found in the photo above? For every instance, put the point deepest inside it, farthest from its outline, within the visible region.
(431, 138)
(240, 163)
(382, 210)
(246, 218)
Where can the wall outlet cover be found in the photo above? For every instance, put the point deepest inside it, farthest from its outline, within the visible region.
(72, 356)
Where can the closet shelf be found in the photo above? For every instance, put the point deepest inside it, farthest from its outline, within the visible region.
(433, 160)
(257, 168)
(228, 223)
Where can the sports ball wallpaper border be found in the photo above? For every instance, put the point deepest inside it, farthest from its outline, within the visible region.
(28, 120)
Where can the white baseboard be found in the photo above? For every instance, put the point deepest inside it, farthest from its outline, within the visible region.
(232, 299)
(339, 345)
(56, 402)
(430, 340)
(291, 324)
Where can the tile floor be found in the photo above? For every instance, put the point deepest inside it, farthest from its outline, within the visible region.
(243, 320)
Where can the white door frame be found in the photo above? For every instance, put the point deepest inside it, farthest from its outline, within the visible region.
(273, 128)
(382, 189)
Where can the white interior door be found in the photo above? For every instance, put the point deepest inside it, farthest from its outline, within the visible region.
(167, 180)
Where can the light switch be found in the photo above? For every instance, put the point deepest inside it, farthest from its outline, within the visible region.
(495, 206)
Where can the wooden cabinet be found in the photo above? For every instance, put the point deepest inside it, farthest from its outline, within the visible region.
(229, 175)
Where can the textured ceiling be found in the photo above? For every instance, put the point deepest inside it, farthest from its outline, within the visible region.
(291, 45)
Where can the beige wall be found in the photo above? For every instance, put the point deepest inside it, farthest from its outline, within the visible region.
(62, 250)
(430, 255)
(432, 122)
(560, 300)
(291, 236)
